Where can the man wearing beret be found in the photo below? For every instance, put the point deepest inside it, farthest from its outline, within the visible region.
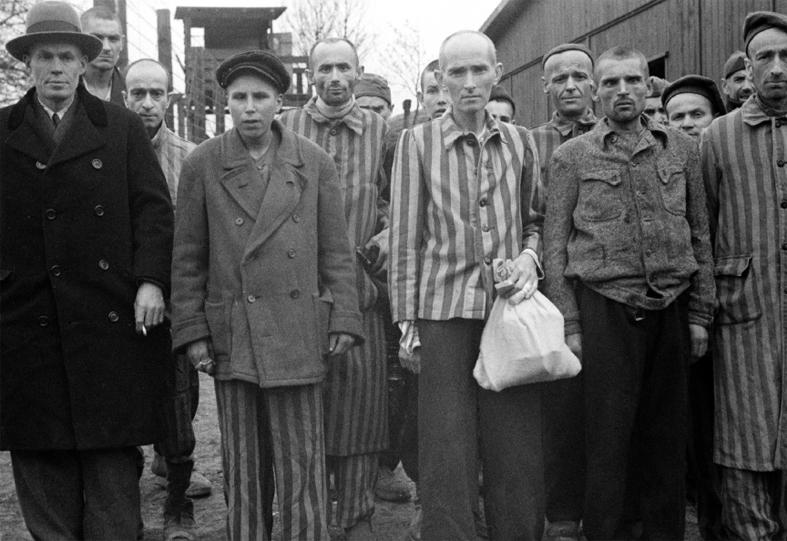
(263, 297)
(653, 106)
(356, 422)
(85, 248)
(744, 166)
(628, 263)
(501, 105)
(373, 94)
(735, 83)
(568, 81)
(691, 104)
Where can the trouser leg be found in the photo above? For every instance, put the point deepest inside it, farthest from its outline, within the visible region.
(409, 436)
(298, 447)
(354, 477)
(564, 448)
(111, 494)
(750, 502)
(49, 489)
(447, 428)
(510, 424)
(246, 460)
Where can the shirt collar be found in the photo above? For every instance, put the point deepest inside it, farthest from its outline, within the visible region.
(62, 112)
(654, 130)
(752, 112)
(566, 126)
(453, 133)
(353, 120)
(161, 135)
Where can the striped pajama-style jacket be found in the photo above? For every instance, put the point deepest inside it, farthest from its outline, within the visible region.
(554, 133)
(744, 155)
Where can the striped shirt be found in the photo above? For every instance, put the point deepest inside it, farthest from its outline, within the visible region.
(171, 150)
(554, 133)
(744, 160)
(457, 202)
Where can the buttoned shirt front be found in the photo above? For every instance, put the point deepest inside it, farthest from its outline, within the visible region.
(458, 201)
(631, 225)
(557, 131)
(171, 150)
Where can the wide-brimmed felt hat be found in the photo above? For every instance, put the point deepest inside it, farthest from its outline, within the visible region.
(264, 64)
(52, 21)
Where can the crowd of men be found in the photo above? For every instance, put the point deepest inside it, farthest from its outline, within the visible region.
(332, 271)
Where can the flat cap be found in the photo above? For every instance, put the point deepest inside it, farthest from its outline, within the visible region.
(499, 93)
(734, 63)
(264, 64)
(370, 84)
(695, 84)
(563, 47)
(657, 86)
(757, 21)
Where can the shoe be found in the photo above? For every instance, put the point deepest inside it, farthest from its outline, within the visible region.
(180, 525)
(564, 530)
(159, 466)
(391, 487)
(199, 487)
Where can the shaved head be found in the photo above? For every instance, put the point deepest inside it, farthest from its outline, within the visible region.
(146, 64)
(468, 35)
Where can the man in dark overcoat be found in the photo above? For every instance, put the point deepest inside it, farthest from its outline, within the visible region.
(85, 249)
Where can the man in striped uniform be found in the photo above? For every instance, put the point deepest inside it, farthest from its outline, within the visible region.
(744, 166)
(466, 189)
(356, 427)
(568, 80)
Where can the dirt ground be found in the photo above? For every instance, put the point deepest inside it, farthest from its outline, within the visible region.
(389, 524)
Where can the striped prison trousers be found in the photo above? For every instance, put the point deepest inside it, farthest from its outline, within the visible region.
(752, 504)
(273, 436)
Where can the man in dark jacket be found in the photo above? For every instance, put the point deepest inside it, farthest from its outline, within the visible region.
(85, 248)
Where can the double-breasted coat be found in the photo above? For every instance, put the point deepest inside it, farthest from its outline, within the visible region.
(82, 224)
(265, 282)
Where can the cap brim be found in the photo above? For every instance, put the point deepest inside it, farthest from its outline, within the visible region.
(89, 45)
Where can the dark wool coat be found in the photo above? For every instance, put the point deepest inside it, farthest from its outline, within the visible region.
(80, 229)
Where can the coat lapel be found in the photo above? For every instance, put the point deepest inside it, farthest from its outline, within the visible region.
(237, 178)
(28, 140)
(284, 190)
(82, 137)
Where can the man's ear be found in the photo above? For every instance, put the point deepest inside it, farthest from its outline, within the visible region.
(420, 97)
(748, 64)
(125, 98)
(309, 75)
(546, 84)
(438, 76)
(360, 71)
(498, 72)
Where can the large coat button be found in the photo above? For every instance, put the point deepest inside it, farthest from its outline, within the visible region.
(103, 264)
(40, 165)
(295, 293)
(99, 210)
(238, 221)
(56, 270)
(96, 163)
(43, 321)
(291, 253)
(50, 214)
(113, 316)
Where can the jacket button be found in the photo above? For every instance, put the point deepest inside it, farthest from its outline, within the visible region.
(485, 228)
(483, 202)
(784, 246)
(103, 264)
(488, 260)
(251, 298)
(96, 163)
(296, 218)
(40, 166)
(99, 210)
(291, 253)
(333, 131)
(295, 293)
(238, 221)
(50, 214)
(780, 163)
(113, 316)
(56, 270)
(784, 204)
(43, 321)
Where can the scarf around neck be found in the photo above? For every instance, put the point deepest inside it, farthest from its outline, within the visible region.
(333, 112)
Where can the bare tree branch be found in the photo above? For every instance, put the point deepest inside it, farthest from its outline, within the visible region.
(13, 75)
(313, 20)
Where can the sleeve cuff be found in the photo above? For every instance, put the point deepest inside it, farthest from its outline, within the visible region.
(532, 253)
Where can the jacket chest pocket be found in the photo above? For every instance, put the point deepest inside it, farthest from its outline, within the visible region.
(600, 198)
(735, 290)
(673, 189)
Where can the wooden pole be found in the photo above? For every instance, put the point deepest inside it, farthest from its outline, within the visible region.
(165, 52)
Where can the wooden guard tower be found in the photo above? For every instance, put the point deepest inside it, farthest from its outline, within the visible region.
(228, 31)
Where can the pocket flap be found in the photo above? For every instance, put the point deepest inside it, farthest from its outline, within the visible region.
(666, 172)
(733, 265)
(610, 176)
